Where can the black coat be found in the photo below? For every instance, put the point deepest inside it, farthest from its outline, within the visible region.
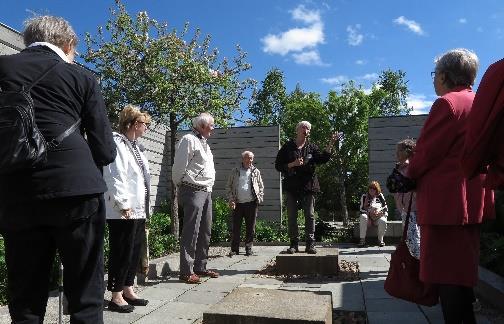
(301, 178)
(65, 94)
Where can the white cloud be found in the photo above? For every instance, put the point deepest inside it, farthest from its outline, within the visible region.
(369, 76)
(305, 15)
(354, 37)
(360, 62)
(308, 58)
(462, 21)
(410, 24)
(420, 103)
(297, 39)
(336, 80)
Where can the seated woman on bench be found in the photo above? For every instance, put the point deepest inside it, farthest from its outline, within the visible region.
(373, 212)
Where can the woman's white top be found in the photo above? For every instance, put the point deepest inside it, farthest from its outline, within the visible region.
(125, 181)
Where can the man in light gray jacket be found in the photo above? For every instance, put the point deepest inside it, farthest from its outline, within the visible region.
(245, 192)
(194, 173)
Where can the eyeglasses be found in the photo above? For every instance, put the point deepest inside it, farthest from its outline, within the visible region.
(147, 125)
(433, 74)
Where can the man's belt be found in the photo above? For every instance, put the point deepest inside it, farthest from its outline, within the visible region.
(194, 186)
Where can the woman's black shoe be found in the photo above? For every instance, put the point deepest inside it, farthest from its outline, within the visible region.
(136, 302)
(113, 307)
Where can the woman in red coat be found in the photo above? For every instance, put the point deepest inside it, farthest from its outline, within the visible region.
(450, 207)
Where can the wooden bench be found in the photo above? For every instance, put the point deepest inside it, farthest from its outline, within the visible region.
(394, 230)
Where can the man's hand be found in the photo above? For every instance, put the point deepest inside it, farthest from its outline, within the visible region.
(232, 205)
(335, 137)
(125, 213)
(296, 162)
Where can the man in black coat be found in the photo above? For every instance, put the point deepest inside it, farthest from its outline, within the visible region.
(297, 160)
(59, 205)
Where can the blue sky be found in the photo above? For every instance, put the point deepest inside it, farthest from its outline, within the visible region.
(318, 44)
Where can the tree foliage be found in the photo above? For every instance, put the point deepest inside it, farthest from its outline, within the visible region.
(174, 75)
(268, 102)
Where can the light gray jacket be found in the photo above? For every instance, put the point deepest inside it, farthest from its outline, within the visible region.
(257, 184)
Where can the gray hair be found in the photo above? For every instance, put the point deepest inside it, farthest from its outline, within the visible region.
(245, 153)
(303, 123)
(202, 119)
(459, 65)
(50, 29)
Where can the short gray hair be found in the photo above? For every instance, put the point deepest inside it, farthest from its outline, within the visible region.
(303, 123)
(460, 66)
(202, 120)
(245, 153)
(50, 29)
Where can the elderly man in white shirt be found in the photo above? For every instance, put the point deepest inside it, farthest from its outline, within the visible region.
(194, 173)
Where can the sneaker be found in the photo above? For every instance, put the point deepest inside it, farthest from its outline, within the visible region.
(292, 250)
(362, 243)
(233, 253)
(381, 244)
(248, 252)
(311, 249)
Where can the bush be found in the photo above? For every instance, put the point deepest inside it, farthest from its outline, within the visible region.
(221, 222)
(492, 252)
(161, 241)
(268, 231)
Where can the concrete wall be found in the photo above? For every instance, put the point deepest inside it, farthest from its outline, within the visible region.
(11, 41)
(227, 146)
(383, 134)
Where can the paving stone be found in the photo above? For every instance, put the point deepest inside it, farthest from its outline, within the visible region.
(346, 296)
(386, 317)
(174, 312)
(390, 305)
(264, 306)
(325, 262)
(119, 318)
(197, 297)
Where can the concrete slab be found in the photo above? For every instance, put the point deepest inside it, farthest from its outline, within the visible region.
(386, 317)
(390, 305)
(265, 306)
(325, 262)
(394, 229)
(174, 312)
(346, 296)
(197, 297)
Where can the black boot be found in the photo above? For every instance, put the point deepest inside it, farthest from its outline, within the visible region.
(310, 248)
(294, 248)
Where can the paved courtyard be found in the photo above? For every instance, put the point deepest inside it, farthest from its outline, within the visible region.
(174, 302)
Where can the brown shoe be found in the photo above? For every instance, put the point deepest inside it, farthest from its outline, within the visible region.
(207, 273)
(190, 279)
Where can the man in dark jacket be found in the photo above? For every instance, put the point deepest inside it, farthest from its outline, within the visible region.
(297, 160)
(59, 205)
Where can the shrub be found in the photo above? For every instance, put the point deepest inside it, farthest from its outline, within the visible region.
(161, 241)
(268, 231)
(492, 252)
(221, 222)
(3, 274)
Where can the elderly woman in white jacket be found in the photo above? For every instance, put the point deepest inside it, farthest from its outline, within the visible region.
(127, 201)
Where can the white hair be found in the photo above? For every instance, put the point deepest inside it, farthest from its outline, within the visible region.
(303, 123)
(245, 153)
(460, 66)
(202, 120)
(54, 30)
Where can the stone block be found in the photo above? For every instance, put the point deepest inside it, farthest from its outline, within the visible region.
(325, 262)
(394, 230)
(270, 306)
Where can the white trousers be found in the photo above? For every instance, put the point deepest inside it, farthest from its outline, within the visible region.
(381, 222)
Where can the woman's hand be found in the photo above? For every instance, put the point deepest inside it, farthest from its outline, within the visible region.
(125, 213)
(297, 162)
(232, 205)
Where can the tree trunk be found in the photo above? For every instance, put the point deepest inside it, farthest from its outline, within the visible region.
(174, 189)
(342, 191)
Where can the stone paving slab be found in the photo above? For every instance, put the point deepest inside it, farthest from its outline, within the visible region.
(325, 262)
(174, 312)
(264, 306)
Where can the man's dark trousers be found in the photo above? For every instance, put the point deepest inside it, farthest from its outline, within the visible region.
(247, 211)
(73, 226)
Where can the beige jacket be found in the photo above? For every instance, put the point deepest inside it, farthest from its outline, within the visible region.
(257, 184)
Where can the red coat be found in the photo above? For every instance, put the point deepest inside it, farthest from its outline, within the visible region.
(444, 195)
(485, 129)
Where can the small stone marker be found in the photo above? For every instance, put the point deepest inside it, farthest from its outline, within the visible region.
(325, 262)
(271, 306)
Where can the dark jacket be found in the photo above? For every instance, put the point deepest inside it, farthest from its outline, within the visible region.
(65, 94)
(301, 178)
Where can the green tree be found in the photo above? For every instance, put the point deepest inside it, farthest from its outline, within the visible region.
(268, 102)
(171, 74)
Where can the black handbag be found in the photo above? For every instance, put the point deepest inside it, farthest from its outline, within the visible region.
(397, 182)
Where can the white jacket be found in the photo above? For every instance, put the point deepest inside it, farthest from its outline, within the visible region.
(125, 181)
(193, 162)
